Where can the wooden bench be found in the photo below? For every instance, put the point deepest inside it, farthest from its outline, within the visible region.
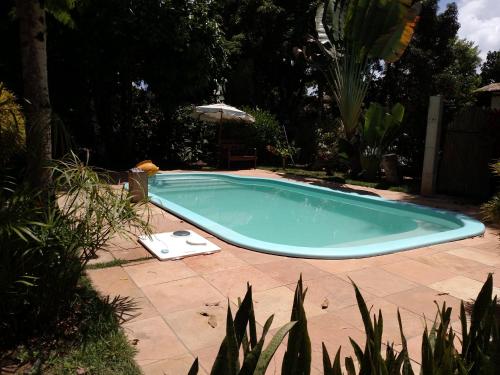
(232, 151)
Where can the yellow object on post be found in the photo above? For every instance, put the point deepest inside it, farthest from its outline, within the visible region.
(148, 166)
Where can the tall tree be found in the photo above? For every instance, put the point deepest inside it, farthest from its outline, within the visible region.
(434, 63)
(490, 70)
(37, 109)
(355, 35)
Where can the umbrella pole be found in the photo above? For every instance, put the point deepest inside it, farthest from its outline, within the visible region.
(220, 141)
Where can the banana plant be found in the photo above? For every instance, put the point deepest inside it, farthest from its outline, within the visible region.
(380, 128)
(353, 34)
(378, 132)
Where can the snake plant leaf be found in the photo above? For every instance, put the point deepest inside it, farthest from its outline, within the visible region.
(268, 353)
(481, 305)
(194, 368)
(337, 370)
(327, 364)
(243, 315)
(358, 352)
(465, 333)
(251, 359)
(407, 369)
(297, 358)
(365, 313)
(349, 366)
(227, 360)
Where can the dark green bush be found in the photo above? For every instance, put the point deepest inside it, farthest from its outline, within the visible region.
(45, 243)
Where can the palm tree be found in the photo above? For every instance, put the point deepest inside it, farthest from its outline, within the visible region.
(354, 34)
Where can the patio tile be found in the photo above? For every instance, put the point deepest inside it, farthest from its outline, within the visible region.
(164, 223)
(461, 287)
(206, 356)
(103, 256)
(171, 366)
(378, 281)
(335, 333)
(338, 266)
(420, 300)
(113, 282)
(485, 257)
(279, 301)
(193, 328)
(339, 293)
(157, 272)
(193, 292)
(424, 251)
(216, 262)
(251, 256)
(121, 242)
(418, 272)
(450, 262)
(482, 274)
(289, 270)
(413, 324)
(156, 341)
(233, 283)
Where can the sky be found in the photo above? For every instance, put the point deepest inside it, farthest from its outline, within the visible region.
(479, 22)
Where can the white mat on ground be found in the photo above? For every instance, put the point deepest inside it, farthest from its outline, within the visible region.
(167, 246)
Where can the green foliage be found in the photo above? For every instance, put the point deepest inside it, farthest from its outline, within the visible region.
(360, 33)
(491, 209)
(481, 341)
(241, 335)
(435, 62)
(490, 70)
(94, 343)
(267, 128)
(479, 354)
(381, 128)
(370, 359)
(47, 241)
(297, 358)
(12, 131)
(61, 10)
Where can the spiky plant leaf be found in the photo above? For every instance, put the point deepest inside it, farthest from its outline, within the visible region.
(251, 358)
(297, 358)
(193, 370)
(268, 353)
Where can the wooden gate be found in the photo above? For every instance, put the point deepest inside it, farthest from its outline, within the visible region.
(470, 143)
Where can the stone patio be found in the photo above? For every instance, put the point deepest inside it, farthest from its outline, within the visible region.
(171, 331)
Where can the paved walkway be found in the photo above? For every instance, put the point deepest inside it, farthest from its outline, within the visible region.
(176, 296)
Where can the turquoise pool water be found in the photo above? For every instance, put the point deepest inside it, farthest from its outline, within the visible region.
(295, 219)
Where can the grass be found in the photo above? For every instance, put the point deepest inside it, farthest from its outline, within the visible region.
(114, 263)
(340, 178)
(89, 341)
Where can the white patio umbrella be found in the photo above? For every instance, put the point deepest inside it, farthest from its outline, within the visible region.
(220, 112)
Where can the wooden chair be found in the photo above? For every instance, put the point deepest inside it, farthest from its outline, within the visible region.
(232, 151)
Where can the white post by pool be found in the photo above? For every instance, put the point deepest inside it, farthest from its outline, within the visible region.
(432, 141)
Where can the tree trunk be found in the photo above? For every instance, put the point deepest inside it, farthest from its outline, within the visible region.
(33, 37)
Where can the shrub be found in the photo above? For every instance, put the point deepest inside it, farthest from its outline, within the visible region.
(12, 132)
(47, 241)
(491, 209)
(479, 353)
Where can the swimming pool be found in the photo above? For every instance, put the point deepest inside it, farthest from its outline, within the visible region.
(300, 220)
